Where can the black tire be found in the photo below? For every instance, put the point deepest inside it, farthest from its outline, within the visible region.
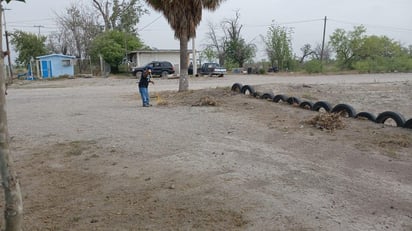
(349, 110)
(366, 115)
(258, 94)
(268, 96)
(237, 87)
(293, 100)
(322, 104)
(398, 118)
(137, 74)
(164, 74)
(306, 105)
(408, 124)
(248, 90)
(279, 98)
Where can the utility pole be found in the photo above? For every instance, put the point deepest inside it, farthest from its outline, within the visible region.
(39, 26)
(7, 44)
(194, 61)
(323, 40)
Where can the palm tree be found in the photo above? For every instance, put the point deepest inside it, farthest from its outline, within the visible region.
(184, 16)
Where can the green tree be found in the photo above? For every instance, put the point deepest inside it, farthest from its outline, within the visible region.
(28, 45)
(236, 49)
(208, 53)
(278, 46)
(112, 45)
(347, 45)
(381, 54)
(183, 16)
(239, 52)
(120, 15)
(13, 209)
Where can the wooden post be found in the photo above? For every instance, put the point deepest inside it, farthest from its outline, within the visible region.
(13, 209)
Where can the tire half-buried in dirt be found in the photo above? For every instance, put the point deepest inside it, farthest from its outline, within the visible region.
(408, 124)
(398, 118)
(293, 100)
(366, 115)
(279, 98)
(306, 105)
(267, 96)
(345, 110)
(237, 87)
(322, 104)
(248, 90)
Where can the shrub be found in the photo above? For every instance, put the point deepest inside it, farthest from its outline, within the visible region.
(313, 66)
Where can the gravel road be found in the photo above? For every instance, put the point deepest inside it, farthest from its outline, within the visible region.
(89, 157)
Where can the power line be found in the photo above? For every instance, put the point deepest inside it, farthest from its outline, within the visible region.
(284, 23)
(31, 21)
(20, 26)
(302, 21)
(39, 26)
(371, 25)
(150, 23)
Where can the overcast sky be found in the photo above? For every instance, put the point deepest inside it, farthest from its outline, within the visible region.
(392, 18)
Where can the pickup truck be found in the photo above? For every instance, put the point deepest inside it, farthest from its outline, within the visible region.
(211, 69)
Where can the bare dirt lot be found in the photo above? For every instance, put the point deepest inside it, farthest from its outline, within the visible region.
(89, 157)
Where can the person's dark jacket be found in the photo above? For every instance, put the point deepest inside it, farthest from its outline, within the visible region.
(144, 80)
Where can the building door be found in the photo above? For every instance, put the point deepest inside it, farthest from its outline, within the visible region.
(46, 69)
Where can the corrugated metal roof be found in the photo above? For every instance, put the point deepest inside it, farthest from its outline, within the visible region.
(56, 55)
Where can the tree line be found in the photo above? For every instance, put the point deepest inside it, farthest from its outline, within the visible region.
(108, 28)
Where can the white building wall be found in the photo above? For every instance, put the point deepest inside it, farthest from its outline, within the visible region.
(141, 58)
(148, 57)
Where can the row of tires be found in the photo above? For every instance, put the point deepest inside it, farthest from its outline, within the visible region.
(343, 109)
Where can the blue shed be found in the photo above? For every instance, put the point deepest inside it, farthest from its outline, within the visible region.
(55, 65)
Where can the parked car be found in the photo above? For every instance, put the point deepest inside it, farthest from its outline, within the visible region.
(211, 69)
(159, 68)
(273, 69)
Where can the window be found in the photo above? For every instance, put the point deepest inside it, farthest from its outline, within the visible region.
(66, 62)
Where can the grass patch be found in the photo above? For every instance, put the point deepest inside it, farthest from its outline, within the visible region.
(74, 148)
(387, 144)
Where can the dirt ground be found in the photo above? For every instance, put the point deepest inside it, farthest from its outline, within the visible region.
(89, 157)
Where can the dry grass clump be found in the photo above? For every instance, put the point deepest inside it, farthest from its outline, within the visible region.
(206, 101)
(393, 141)
(327, 121)
(161, 101)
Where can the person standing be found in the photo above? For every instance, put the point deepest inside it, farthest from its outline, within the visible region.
(144, 81)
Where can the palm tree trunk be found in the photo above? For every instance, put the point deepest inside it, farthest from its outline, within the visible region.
(13, 213)
(183, 81)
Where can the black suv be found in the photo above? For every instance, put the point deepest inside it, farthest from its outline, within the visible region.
(160, 68)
